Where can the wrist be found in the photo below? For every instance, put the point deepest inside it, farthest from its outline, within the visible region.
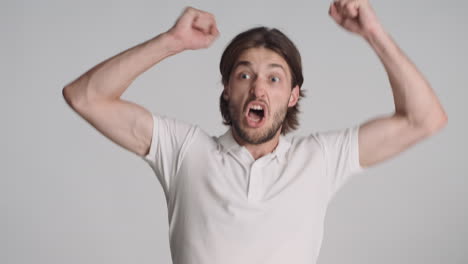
(381, 42)
(173, 44)
(374, 32)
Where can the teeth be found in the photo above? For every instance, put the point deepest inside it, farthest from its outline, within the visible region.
(256, 107)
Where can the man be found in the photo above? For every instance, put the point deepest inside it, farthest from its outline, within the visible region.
(251, 195)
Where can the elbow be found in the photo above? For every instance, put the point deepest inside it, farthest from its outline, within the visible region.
(72, 97)
(67, 94)
(443, 121)
(76, 93)
(437, 123)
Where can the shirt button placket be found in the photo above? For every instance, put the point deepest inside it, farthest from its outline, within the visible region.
(254, 182)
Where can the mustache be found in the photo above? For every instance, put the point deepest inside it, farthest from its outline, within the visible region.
(252, 98)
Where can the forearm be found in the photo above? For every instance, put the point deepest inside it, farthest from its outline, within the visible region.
(110, 78)
(412, 93)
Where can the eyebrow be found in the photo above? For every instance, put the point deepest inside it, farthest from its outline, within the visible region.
(249, 64)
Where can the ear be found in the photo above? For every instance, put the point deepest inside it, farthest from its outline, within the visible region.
(294, 97)
(226, 93)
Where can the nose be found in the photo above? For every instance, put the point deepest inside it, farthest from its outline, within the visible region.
(258, 87)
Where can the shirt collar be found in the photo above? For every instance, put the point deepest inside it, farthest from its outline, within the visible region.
(229, 144)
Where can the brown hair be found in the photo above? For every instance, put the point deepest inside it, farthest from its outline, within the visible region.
(276, 41)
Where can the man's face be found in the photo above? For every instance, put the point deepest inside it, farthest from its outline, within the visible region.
(259, 94)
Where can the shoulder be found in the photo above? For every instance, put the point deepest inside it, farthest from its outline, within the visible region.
(324, 140)
(312, 139)
(330, 136)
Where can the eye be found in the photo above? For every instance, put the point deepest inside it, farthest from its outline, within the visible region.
(275, 79)
(244, 76)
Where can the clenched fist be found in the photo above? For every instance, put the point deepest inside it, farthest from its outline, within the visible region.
(194, 29)
(354, 15)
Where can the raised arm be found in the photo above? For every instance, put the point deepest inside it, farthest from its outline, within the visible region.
(95, 95)
(418, 112)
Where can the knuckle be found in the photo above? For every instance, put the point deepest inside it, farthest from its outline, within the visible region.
(191, 10)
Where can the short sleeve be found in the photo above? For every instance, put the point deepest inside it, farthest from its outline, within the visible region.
(169, 143)
(341, 151)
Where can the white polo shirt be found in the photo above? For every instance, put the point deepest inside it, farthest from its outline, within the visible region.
(224, 207)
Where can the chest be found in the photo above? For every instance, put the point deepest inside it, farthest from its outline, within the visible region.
(221, 204)
(226, 183)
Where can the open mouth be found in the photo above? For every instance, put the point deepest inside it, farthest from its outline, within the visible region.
(256, 114)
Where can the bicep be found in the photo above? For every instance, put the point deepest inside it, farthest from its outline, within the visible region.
(125, 123)
(384, 137)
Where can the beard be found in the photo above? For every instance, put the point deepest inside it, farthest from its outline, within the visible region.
(257, 137)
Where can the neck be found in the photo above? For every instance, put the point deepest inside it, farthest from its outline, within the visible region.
(259, 150)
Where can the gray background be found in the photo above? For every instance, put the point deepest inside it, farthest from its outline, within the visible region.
(69, 195)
